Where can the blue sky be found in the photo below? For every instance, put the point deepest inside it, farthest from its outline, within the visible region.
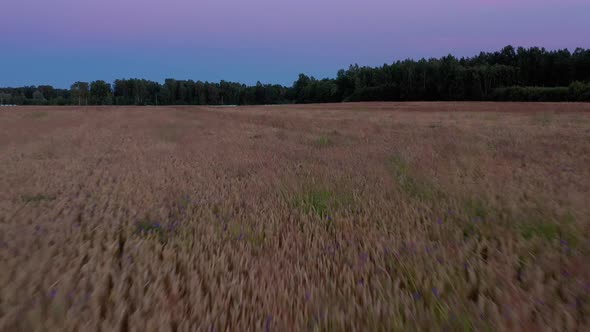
(62, 41)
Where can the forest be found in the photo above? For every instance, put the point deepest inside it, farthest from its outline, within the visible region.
(511, 74)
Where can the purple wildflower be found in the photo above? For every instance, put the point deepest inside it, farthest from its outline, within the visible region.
(364, 257)
(417, 296)
(173, 226)
(53, 293)
(268, 322)
(307, 296)
(439, 221)
(565, 246)
(435, 292)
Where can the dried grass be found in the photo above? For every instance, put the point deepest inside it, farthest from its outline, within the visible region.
(374, 217)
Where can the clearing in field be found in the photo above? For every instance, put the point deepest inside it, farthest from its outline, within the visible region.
(376, 216)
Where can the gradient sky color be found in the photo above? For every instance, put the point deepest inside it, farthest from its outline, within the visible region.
(61, 41)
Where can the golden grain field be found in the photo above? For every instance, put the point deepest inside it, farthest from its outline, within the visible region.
(342, 217)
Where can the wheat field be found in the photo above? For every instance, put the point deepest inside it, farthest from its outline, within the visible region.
(338, 217)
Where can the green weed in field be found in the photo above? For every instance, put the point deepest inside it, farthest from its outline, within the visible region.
(563, 229)
(541, 229)
(543, 119)
(410, 184)
(323, 142)
(38, 115)
(257, 239)
(315, 201)
(477, 210)
(147, 227)
(27, 198)
(324, 203)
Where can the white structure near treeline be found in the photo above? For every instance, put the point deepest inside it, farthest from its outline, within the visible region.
(8, 105)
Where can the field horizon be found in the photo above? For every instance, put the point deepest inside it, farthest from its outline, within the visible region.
(424, 106)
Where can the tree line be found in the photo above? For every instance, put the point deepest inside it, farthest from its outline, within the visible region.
(511, 74)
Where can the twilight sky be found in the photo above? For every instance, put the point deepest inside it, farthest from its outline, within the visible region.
(61, 41)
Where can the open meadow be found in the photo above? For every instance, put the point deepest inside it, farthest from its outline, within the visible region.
(335, 217)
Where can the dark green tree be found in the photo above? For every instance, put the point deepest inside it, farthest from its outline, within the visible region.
(80, 91)
(100, 93)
